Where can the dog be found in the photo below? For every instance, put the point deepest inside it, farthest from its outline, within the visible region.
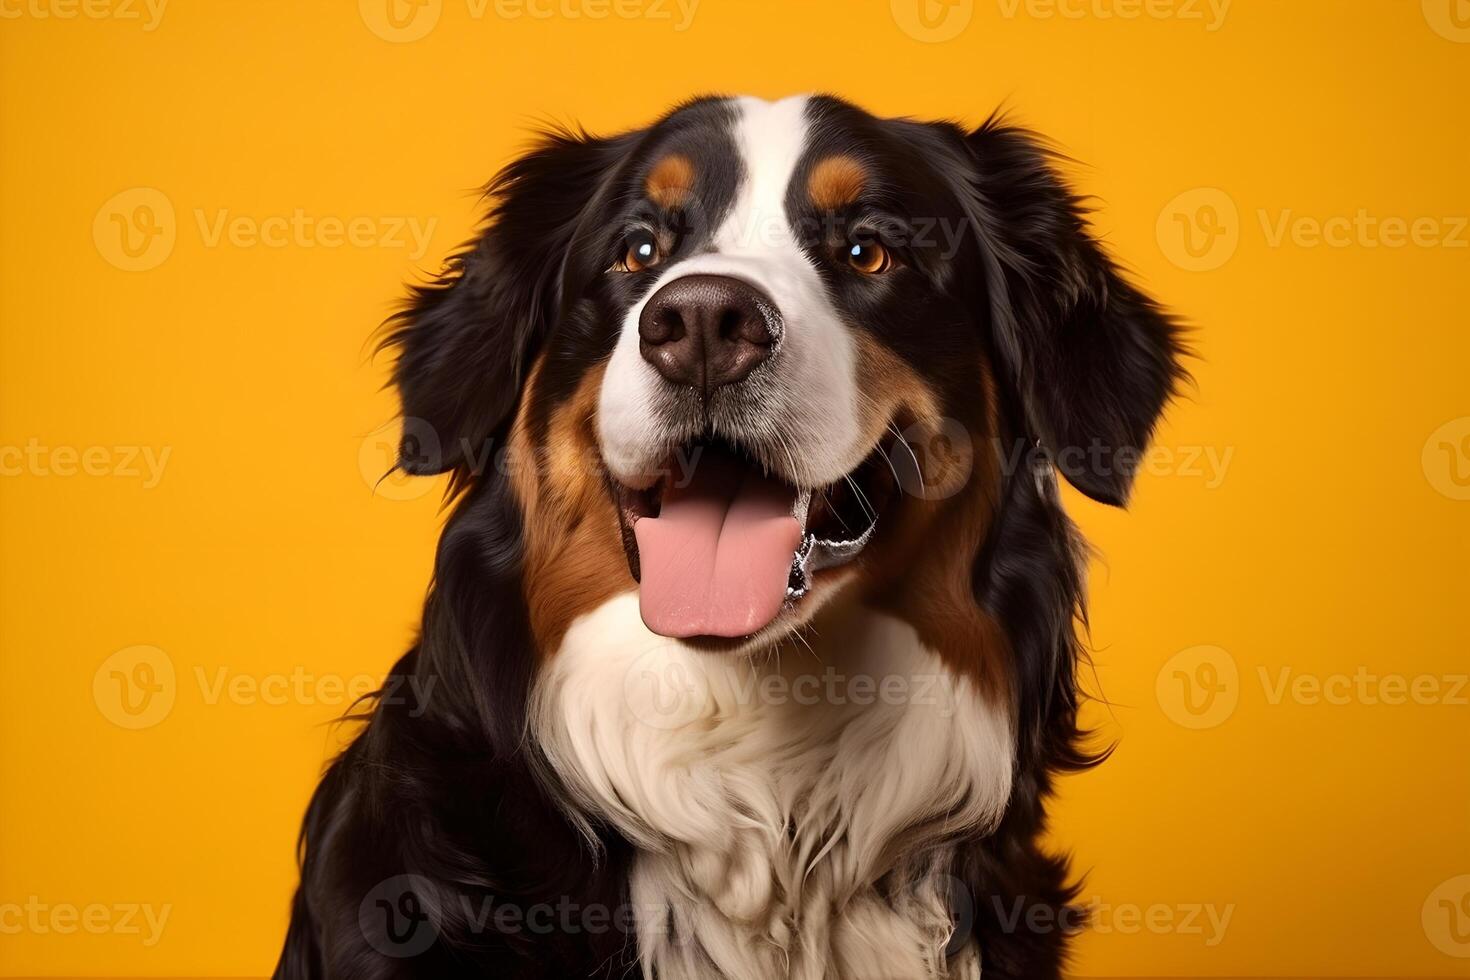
(752, 644)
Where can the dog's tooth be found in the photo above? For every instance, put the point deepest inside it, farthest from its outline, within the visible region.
(801, 506)
(800, 581)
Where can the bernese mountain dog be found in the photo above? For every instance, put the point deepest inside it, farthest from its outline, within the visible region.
(752, 644)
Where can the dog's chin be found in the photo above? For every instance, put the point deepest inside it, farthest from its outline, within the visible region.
(736, 558)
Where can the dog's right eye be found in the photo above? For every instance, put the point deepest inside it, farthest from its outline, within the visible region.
(640, 251)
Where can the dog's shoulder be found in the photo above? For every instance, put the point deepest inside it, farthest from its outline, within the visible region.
(426, 853)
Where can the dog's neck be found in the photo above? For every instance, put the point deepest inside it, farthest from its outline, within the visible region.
(794, 815)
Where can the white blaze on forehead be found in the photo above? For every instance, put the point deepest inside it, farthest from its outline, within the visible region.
(809, 392)
(769, 137)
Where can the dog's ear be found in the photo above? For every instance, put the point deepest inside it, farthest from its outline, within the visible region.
(464, 342)
(1091, 358)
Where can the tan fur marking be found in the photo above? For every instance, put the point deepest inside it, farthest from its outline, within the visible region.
(574, 560)
(836, 182)
(670, 181)
(919, 567)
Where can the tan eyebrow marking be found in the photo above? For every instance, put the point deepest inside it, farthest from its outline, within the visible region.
(670, 180)
(836, 182)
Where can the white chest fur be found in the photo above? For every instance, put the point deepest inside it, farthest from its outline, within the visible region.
(792, 820)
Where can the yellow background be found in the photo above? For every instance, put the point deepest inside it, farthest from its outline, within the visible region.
(1329, 536)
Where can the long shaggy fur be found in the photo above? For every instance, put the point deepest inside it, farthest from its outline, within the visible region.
(526, 819)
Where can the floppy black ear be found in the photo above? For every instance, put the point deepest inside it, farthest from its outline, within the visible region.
(1092, 359)
(465, 340)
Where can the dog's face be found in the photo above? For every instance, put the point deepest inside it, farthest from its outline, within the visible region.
(776, 319)
(760, 351)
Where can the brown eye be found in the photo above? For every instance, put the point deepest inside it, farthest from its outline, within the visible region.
(869, 258)
(640, 252)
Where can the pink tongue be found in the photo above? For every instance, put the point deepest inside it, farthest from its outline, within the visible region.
(716, 560)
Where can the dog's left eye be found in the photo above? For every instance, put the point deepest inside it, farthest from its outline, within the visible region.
(869, 258)
(640, 251)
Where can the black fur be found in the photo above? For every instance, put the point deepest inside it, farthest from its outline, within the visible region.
(465, 341)
(1092, 358)
(443, 786)
(440, 786)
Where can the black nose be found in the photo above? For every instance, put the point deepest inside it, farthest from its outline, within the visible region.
(707, 331)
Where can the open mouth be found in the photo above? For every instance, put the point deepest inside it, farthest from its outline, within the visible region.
(721, 548)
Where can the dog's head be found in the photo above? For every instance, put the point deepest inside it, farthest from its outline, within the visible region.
(758, 352)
